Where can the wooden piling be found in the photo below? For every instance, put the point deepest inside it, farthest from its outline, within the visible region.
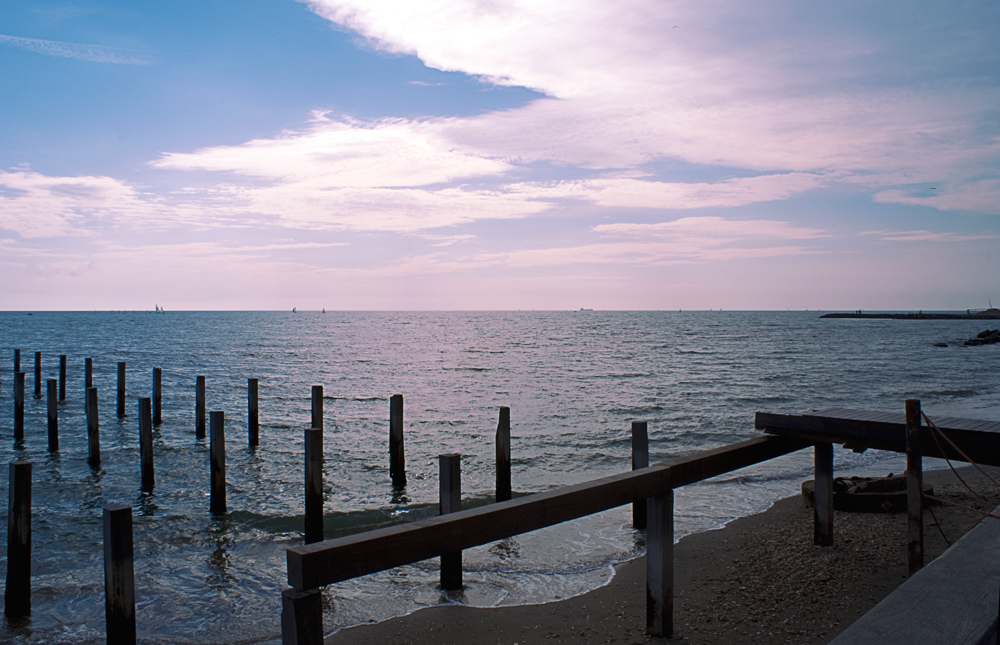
(914, 488)
(660, 565)
(504, 491)
(18, 405)
(120, 408)
(93, 428)
(640, 459)
(823, 495)
(38, 375)
(119, 575)
(301, 617)
(317, 407)
(17, 593)
(397, 456)
(88, 375)
(53, 410)
(217, 450)
(146, 445)
(314, 485)
(253, 421)
(200, 407)
(450, 466)
(62, 377)
(157, 396)
(17, 361)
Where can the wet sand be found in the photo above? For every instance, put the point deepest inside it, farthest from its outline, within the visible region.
(758, 580)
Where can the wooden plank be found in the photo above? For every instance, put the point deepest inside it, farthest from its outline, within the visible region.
(914, 489)
(983, 447)
(397, 454)
(314, 485)
(660, 565)
(319, 564)
(823, 495)
(119, 574)
(951, 601)
(17, 590)
(640, 459)
(504, 491)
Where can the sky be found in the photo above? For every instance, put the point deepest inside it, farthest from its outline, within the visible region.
(499, 154)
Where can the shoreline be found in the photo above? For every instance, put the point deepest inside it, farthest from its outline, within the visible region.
(758, 579)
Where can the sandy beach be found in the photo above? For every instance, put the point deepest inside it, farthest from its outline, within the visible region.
(758, 580)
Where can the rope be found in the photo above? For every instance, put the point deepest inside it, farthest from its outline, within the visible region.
(963, 506)
(959, 450)
(934, 435)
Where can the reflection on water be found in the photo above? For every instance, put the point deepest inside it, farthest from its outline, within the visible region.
(573, 383)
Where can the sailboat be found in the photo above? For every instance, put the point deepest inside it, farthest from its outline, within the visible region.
(293, 310)
(159, 309)
(324, 309)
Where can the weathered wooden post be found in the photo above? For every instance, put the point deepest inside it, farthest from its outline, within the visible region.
(823, 495)
(62, 377)
(317, 407)
(914, 488)
(38, 375)
(397, 457)
(119, 574)
(17, 594)
(120, 407)
(217, 450)
(88, 375)
(18, 405)
(640, 459)
(504, 491)
(660, 565)
(17, 361)
(53, 409)
(314, 485)
(157, 396)
(450, 502)
(301, 617)
(200, 407)
(253, 421)
(93, 428)
(146, 445)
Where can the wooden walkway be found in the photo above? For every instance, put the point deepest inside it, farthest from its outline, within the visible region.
(863, 429)
(951, 601)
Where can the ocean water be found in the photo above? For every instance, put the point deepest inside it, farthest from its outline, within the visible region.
(573, 380)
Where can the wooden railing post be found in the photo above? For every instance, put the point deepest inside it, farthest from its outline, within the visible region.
(38, 375)
(317, 407)
(640, 459)
(217, 450)
(146, 445)
(93, 428)
(253, 421)
(120, 407)
(823, 495)
(397, 457)
(504, 491)
(301, 617)
(157, 396)
(17, 594)
(451, 502)
(314, 485)
(119, 575)
(914, 488)
(53, 410)
(200, 407)
(18, 405)
(660, 565)
(62, 377)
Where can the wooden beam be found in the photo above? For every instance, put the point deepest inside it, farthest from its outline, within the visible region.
(640, 459)
(660, 565)
(914, 489)
(823, 495)
(319, 564)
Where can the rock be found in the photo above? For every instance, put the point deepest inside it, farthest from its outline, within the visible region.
(940, 344)
(987, 337)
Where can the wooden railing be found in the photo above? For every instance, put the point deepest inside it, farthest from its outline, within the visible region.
(322, 563)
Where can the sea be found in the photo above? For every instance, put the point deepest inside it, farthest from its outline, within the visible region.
(574, 382)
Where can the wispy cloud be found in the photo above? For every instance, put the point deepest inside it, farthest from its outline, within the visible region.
(926, 236)
(79, 51)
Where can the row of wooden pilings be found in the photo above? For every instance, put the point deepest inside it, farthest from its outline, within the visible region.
(118, 547)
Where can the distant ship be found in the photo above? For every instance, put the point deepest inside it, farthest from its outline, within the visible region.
(293, 310)
(583, 309)
(324, 309)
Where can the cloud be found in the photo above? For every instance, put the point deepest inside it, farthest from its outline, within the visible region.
(36, 205)
(926, 236)
(977, 196)
(79, 51)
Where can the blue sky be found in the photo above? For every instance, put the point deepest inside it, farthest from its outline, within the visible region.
(499, 155)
